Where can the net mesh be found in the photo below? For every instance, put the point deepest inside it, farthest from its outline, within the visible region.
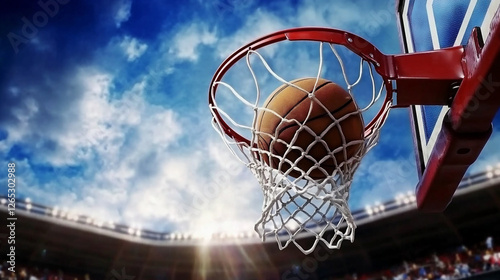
(296, 203)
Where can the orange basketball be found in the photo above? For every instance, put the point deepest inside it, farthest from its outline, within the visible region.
(293, 105)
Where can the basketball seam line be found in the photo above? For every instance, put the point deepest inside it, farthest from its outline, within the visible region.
(283, 87)
(304, 98)
(300, 101)
(276, 94)
(319, 116)
(271, 159)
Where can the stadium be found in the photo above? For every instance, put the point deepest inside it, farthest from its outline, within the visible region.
(345, 140)
(51, 242)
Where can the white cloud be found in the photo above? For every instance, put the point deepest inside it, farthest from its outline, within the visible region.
(118, 143)
(24, 113)
(132, 48)
(346, 15)
(122, 12)
(178, 195)
(258, 24)
(186, 41)
(334, 15)
(230, 197)
(134, 172)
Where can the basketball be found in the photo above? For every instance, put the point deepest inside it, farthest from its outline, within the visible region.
(297, 115)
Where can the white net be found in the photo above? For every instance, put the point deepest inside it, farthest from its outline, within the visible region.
(297, 201)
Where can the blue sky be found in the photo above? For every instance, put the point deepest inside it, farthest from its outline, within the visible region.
(104, 107)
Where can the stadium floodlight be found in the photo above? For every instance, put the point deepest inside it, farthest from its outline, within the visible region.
(28, 200)
(199, 236)
(293, 225)
(400, 198)
(64, 212)
(28, 207)
(206, 232)
(54, 211)
(381, 207)
(492, 171)
(497, 172)
(3, 200)
(369, 210)
(207, 237)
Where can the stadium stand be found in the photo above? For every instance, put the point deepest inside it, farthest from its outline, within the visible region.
(394, 241)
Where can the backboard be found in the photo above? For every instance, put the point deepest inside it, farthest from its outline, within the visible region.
(436, 24)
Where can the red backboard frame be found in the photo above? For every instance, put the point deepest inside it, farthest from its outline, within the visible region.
(466, 126)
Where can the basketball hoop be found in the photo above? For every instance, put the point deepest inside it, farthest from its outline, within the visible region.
(302, 205)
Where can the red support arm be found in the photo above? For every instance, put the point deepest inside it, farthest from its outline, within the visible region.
(452, 155)
(426, 78)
